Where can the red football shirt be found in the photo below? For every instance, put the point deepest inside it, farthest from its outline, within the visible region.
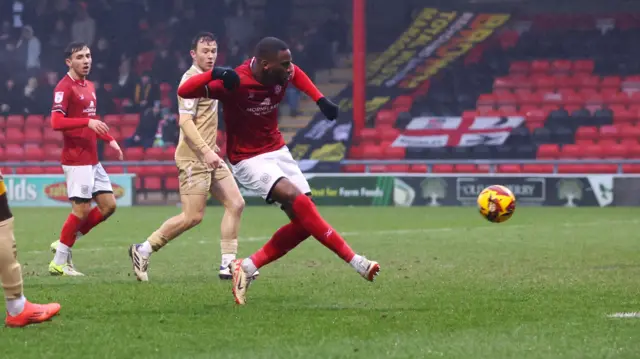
(77, 99)
(250, 115)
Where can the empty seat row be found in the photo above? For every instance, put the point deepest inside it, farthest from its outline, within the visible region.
(503, 168)
(589, 151)
(552, 66)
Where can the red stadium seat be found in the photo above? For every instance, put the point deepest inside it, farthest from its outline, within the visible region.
(630, 133)
(356, 152)
(615, 151)
(571, 152)
(387, 134)
(53, 137)
(127, 131)
(14, 136)
(52, 152)
(154, 170)
(377, 169)
(561, 66)
(548, 152)
(169, 153)
(386, 117)
(444, 168)
(483, 168)
(134, 154)
(609, 131)
(519, 67)
(353, 168)
(368, 135)
(114, 169)
(507, 168)
(633, 150)
(154, 154)
(602, 168)
(152, 183)
(486, 100)
(171, 184)
(35, 122)
(537, 168)
(130, 120)
(170, 170)
(33, 154)
(394, 153)
(54, 170)
(397, 168)
(29, 170)
(505, 99)
(592, 152)
(587, 133)
(631, 168)
(572, 168)
(14, 121)
(14, 153)
(33, 135)
(465, 168)
(372, 152)
(418, 169)
(583, 66)
(403, 102)
(624, 116)
(584, 142)
(540, 66)
(112, 121)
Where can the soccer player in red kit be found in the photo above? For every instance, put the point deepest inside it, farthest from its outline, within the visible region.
(74, 113)
(259, 157)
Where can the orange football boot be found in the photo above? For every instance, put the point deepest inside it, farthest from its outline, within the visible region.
(32, 314)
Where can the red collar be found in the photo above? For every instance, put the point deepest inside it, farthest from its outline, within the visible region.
(78, 82)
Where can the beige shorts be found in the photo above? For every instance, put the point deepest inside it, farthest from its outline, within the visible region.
(196, 177)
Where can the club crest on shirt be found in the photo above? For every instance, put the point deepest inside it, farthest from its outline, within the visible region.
(278, 89)
(59, 96)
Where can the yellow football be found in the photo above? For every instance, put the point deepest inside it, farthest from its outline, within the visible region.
(496, 203)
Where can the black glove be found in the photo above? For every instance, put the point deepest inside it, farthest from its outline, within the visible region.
(230, 78)
(328, 108)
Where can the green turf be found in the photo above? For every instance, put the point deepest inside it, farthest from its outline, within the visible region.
(451, 286)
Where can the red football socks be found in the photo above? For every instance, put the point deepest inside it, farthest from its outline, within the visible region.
(69, 230)
(285, 239)
(93, 219)
(307, 215)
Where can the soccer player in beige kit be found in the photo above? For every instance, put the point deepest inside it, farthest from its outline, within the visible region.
(201, 171)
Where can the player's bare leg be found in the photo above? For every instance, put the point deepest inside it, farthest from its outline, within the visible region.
(227, 193)
(20, 312)
(305, 219)
(193, 207)
(106, 206)
(62, 263)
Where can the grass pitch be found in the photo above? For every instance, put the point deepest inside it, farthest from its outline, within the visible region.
(451, 286)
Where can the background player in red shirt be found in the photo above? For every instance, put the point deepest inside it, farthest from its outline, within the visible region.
(74, 113)
(260, 159)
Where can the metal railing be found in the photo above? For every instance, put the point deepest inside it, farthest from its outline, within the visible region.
(492, 164)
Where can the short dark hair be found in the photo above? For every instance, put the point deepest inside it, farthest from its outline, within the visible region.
(202, 36)
(269, 47)
(74, 47)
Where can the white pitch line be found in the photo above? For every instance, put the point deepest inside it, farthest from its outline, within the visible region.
(625, 315)
(382, 233)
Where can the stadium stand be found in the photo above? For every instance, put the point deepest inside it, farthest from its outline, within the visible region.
(544, 93)
(128, 54)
